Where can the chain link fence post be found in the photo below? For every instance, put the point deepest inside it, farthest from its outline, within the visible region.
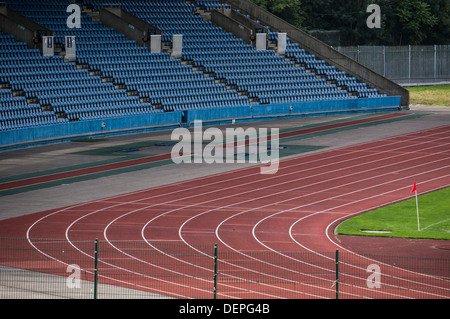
(95, 268)
(337, 273)
(215, 271)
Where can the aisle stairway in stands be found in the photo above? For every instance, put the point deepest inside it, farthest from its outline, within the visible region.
(262, 75)
(114, 77)
(17, 108)
(118, 66)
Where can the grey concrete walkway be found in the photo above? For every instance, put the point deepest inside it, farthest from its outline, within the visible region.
(60, 155)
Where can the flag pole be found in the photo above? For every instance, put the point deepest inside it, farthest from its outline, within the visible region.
(414, 189)
(417, 208)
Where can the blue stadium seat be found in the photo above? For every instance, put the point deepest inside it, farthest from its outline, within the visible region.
(72, 94)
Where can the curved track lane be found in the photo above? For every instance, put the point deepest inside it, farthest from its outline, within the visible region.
(273, 231)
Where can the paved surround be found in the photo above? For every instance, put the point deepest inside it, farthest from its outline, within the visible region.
(28, 160)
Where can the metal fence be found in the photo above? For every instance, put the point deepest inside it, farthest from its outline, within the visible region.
(405, 64)
(138, 269)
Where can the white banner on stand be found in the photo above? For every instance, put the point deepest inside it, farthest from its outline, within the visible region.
(71, 54)
(177, 45)
(281, 43)
(48, 46)
(261, 41)
(155, 43)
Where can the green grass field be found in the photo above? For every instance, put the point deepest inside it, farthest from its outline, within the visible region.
(400, 220)
(435, 95)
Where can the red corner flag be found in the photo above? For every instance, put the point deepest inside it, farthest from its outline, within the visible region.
(414, 189)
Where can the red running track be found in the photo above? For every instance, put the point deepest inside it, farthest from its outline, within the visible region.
(167, 156)
(273, 232)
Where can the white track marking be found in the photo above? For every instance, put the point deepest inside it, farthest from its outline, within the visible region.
(235, 178)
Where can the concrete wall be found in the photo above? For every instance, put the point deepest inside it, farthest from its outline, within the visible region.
(218, 114)
(124, 22)
(298, 109)
(237, 23)
(124, 125)
(325, 107)
(323, 51)
(224, 20)
(22, 28)
(239, 17)
(89, 128)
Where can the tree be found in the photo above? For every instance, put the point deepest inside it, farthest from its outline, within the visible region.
(414, 21)
(402, 21)
(288, 10)
(440, 32)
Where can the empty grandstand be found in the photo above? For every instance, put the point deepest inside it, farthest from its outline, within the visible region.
(116, 84)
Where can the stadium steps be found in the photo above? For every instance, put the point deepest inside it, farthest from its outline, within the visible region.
(200, 10)
(203, 78)
(180, 19)
(32, 101)
(109, 79)
(218, 94)
(326, 71)
(219, 80)
(20, 108)
(89, 10)
(329, 80)
(92, 71)
(34, 85)
(319, 76)
(95, 16)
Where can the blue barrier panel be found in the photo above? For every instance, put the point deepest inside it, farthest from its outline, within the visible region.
(268, 109)
(325, 106)
(218, 114)
(380, 101)
(88, 127)
(319, 106)
(123, 124)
